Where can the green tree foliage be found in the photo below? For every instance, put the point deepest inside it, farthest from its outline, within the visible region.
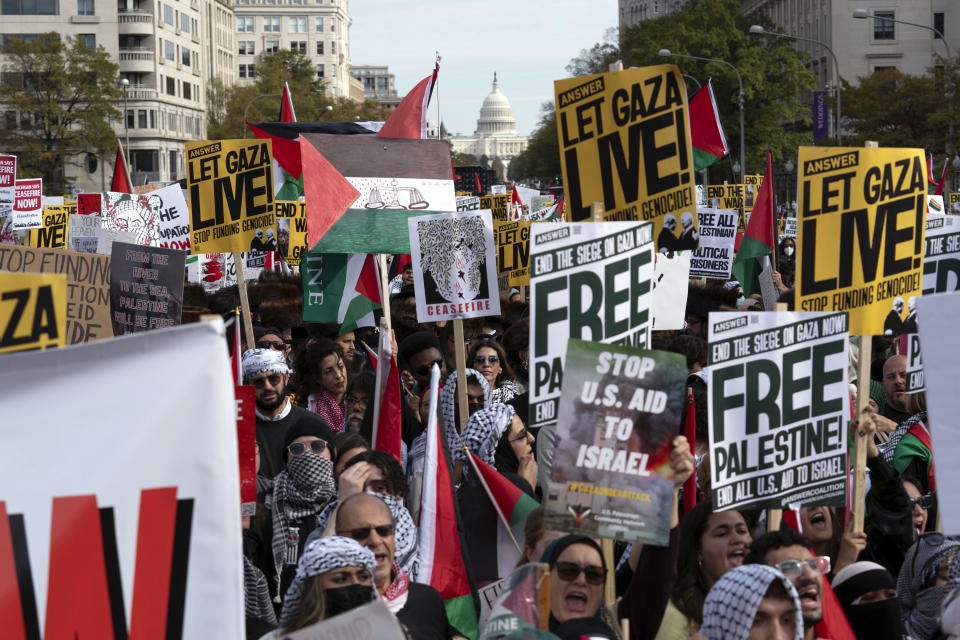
(541, 159)
(261, 100)
(60, 97)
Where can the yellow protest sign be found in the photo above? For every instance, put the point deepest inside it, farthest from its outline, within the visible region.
(751, 187)
(291, 230)
(953, 203)
(33, 311)
(725, 196)
(860, 234)
(230, 196)
(499, 205)
(513, 251)
(53, 233)
(625, 142)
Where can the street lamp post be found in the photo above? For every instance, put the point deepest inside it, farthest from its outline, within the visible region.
(126, 121)
(666, 53)
(252, 100)
(759, 30)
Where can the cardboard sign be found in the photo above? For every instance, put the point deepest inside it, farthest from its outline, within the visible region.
(291, 231)
(246, 445)
(368, 622)
(454, 266)
(938, 319)
(173, 217)
(625, 142)
(671, 275)
(131, 213)
(620, 410)
(468, 203)
(513, 251)
(953, 203)
(725, 196)
(27, 204)
(718, 231)
(860, 242)
(8, 186)
(146, 287)
(53, 233)
(778, 409)
(33, 311)
(88, 286)
(590, 281)
(751, 187)
(126, 510)
(499, 206)
(230, 188)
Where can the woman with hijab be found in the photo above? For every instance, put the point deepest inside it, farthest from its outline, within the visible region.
(577, 576)
(321, 382)
(335, 574)
(751, 602)
(930, 571)
(868, 595)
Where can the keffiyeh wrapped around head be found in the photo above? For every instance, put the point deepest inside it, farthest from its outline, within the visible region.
(319, 557)
(448, 403)
(920, 598)
(256, 361)
(483, 432)
(732, 602)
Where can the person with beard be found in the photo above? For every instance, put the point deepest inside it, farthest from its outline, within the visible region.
(321, 378)
(868, 595)
(354, 358)
(689, 237)
(367, 519)
(359, 391)
(667, 239)
(267, 371)
(789, 552)
(300, 492)
(334, 575)
(893, 324)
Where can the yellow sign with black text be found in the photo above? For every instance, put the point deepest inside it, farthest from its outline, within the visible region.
(230, 195)
(499, 205)
(291, 230)
(53, 233)
(513, 251)
(751, 187)
(33, 311)
(860, 234)
(625, 142)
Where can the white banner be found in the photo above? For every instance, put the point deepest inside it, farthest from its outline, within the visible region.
(718, 231)
(671, 277)
(173, 217)
(122, 504)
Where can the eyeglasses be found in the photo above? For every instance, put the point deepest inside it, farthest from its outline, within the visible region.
(317, 446)
(491, 359)
(925, 502)
(568, 572)
(521, 436)
(276, 345)
(352, 400)
(362, 533)
(793, 568)
(274, 380)
(424, 370)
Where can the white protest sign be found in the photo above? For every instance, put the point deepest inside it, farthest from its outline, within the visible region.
(173, 217)
(488, 596)
(468, 203)
(28, 205)
(454, 265)
(934, 203)
(718, 231)
(124, 524)
(369, 622)
(778, 408)
(670, 280)
(790, 227)
(498, 188)
(588, 280)
(8, 177)
(938, 320)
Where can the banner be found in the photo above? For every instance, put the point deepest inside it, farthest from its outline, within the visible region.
(53, 233)
(8, 185)
(513, 251)
(718, 231)
(860, 242)
(751, 187)
(27, 204)
(246, 397)
(88, 286)
(135, 214)
(590, 281)
(468, 203)
(778, 409)
(230, 189)
(821, 115)
(173, 217)
(367, 622)
(86, 233)
(954, 203)
(146, 287)
(499, 206)
(789, 227)
(454, 266)
(625, 142)
(291, 231)
(89, 203)
(134, 527)
(33, 311)
(671, 280)
(619, 412)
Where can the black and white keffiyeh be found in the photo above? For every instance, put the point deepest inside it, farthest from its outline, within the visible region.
(920, 599)
(507, 391)
(888, 448)
(256, 594)
(319, 557)
(448, 403)
(256, 361)
(483, 432)
(300, 490)
(732, 602)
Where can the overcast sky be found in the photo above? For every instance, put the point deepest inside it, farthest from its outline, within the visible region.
(527, 42)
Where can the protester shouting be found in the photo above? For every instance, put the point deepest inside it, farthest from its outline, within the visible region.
(321, 379)
(752, 602)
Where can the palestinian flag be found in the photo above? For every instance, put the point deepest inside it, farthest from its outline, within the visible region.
(121, 174)
(409, 119)
(706, 133)
(285, 185)
(934, 187)
(340, 288)
(759, 238)
(441, 542)
(386, 422)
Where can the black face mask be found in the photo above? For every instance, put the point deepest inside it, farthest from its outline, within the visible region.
(473, 407)
(879, 620)
(345, 598)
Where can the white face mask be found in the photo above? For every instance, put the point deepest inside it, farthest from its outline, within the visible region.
(740, 300)
(788, 251)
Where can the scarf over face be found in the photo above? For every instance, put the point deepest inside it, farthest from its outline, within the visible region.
(482, 434)
(920, 599)
(448, 403)
(732, 603)
(879, 620)
(319, 557)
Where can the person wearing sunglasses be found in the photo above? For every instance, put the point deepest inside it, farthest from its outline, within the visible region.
(490, 359)
(418, 353)
(577, 575)
(367, 519)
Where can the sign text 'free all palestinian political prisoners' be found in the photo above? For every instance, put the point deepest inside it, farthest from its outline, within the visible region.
(860, 235)
(778, 409)
(619, 412)
(454, 265)
(718, 232)
(33, 311)
(591, 281)
(624, 141)
(230, 195)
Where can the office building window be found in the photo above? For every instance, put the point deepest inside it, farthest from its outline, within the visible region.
(168, 52)
(938, 24)
(319, 48)
(247, 71)
(30, 7)
(131, 122)
(298, 25)
(153, 118)
(85, 8)
(185, 56)
(300, 45)
(333, 24)
(168, 14)
(271, 24)
(245, 47)
(185, 23)
(171, 86)
(173, 165)
(245, 24)
(88, 39)
(883, 25)
(271, 46)
(186, 90)
(333, 48)
(318, 23)
(319, 70)
(142, 118)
